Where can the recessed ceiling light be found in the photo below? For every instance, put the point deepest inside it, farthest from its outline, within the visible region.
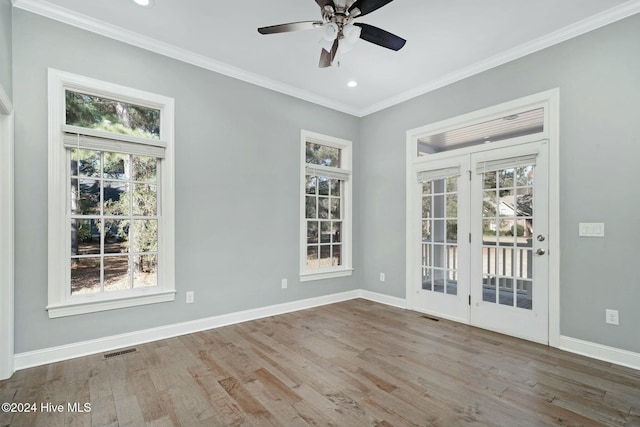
(352, 83)
(145, 3)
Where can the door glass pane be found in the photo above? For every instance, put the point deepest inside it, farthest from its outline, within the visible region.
(507, 236)
(439, 211)
(505, 291)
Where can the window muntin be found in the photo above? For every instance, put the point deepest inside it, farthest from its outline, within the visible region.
(96, 112)
(326, 207)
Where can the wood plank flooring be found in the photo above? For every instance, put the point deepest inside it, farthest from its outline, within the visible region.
(355, 363)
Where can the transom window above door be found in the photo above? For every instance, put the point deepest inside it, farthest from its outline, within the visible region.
(485, 132)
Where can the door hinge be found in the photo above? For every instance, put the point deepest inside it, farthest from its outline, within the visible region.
(469, 175)
(469, 237)
(469, 299)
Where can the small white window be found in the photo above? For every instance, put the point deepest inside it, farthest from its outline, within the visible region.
(111, 196)
(326, 198)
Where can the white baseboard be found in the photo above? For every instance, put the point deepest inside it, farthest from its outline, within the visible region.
(600, 352)
(383, 299)
(85, 348)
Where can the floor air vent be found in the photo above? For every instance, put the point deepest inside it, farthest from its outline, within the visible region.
(431, 318)
(119, 353)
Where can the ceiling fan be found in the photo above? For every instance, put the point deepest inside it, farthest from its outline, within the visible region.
(339, 30)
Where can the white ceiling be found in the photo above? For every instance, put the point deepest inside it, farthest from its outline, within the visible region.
(447, 40)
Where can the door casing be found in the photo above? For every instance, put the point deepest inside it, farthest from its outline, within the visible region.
(549, 100)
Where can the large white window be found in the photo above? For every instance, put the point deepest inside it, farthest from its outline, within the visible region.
(325, 238)
(111, 196)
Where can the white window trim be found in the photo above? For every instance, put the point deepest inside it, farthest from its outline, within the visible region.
(6, 236)
(60, 302)
(346, 146)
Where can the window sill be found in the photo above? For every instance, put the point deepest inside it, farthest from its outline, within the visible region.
(75, 308)
(308, 277)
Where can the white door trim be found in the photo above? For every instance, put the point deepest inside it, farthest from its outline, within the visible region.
(6, 237)
(550, 101)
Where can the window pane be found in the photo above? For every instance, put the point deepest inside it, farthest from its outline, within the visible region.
(336, 255)
(323, 186)
(325, 256)
(336, 187)
(144, 200)
(311, 185)
(116, 273)
(145, 271)
(312, 232)
(85, 197)
(335, 208)
(318, 154)
(85, 237)
(94, 112)
(323, 207)
(116, 166)
(88, 163)
(116, 198)
(312, 257)
(85, 275)
(325, 232)
(337, 232)
(116, 236)
(311, 209)
(145, 235)
(145, 168)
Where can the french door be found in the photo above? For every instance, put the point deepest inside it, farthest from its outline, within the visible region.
(481, 240)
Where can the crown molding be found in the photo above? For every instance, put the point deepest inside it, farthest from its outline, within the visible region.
(579, 28)
(49, 10)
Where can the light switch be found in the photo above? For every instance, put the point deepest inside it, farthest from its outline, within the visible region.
(591, 229)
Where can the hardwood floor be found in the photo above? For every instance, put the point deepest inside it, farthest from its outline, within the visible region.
(355, 363)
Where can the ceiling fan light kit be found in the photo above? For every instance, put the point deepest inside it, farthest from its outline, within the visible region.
(340, 33)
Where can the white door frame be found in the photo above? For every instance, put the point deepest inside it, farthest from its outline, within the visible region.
(550, 101)
(6, 237)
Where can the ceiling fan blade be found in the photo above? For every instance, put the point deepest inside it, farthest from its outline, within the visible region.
(380, 37)
(292, 26)
(367, 6)
(327, 58)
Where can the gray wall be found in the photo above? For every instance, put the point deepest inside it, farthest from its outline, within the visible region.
(599, 78)
(5, 47)
(237, 179)
(237, 184)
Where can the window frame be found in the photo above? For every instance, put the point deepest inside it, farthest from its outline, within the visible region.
(60, 301)
(346, 148)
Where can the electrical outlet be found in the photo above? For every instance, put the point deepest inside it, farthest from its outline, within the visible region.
(190, 297)
(611, 317)
(382, 277)
(284, 284)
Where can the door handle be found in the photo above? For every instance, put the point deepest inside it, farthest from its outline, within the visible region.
(540, 251)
